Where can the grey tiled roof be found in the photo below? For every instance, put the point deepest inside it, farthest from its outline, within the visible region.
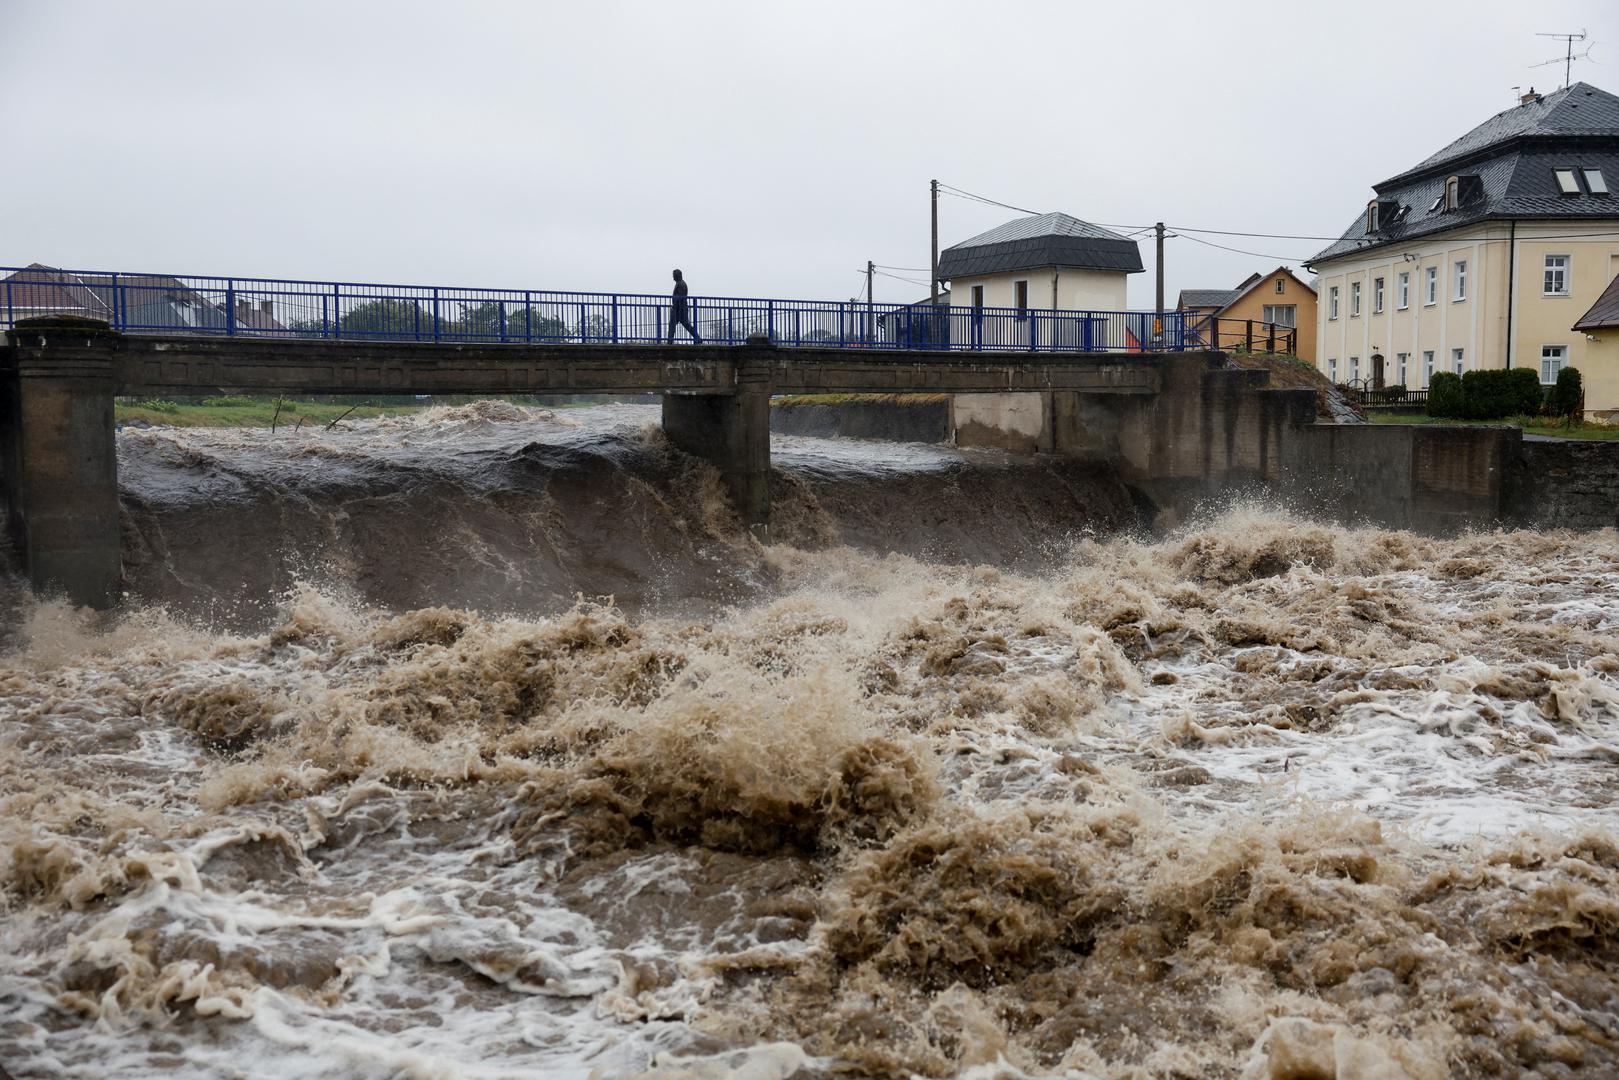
(1604, 314)
(1045, 240)
(1580, 109)
(1514, 158)
(1216, 298)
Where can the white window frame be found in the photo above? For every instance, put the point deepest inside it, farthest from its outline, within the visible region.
(1354, 369)
(1561, 360)
(1595, 182)
(1281, 286)
(1568, 182)
(1403, 290)
(1430, 286)
(1332, 302)
(1453, 192)
(1458, 360)
(1561, 271)
(1020, 297)
(1332, 369)
(1427, 367)
(1377, 296)
(977, 294)
(1458, 281)
(1354, 299)
(1401, 360)
(1270, 311)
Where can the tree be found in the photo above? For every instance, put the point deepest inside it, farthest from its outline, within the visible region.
(382, 317)
(1569, 393)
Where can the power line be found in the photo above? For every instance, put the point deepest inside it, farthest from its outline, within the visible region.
(1240, 251)
(912, 269)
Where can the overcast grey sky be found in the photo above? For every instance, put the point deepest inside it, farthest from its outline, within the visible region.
(769, 149)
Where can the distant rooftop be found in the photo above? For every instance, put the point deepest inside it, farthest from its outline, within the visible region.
(1045, 240)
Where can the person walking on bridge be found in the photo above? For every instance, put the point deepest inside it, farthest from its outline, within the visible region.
(678, 315)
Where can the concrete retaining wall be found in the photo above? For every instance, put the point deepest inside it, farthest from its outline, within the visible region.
(901, 419)
(1570, 485)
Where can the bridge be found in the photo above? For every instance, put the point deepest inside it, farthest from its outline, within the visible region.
(1177, 422)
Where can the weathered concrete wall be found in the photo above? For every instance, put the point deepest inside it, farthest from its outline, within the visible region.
(1016, 422)
(900, 420)
(1564, 485)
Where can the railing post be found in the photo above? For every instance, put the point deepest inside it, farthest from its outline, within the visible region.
(528, 315)
(415, 321)
(1248, 337)
(1033, 335)
(230, 306)
(1270, 338)
(770, 319)
(502, 305)
(435, 313)
(117, 304)
(615, 318)
(337, 313)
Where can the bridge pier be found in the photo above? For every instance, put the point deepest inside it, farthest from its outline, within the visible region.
(732, 432)
(60, 472)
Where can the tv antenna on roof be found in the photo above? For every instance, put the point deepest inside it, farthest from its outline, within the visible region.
(1568, 57)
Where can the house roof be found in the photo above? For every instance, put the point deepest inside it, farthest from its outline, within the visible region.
(41, 288)
(1214, 298)
(1057, 239)
(1513, 155)
(1221, 299)
(1604, 314)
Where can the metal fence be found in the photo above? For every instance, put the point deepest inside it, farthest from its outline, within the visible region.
(264, 307)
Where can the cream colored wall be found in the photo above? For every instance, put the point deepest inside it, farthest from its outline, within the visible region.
(1545, 320)
(1475, 324)
(1077, 290)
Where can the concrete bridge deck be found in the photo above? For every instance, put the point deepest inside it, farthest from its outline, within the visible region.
(1172, 422)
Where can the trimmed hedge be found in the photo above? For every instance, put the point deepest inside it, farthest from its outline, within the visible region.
(1498, 392)
(1567, 394)
(1445, 395)
(1485, 395)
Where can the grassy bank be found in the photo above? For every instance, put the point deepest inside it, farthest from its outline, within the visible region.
(1532, 425)
(244, 411)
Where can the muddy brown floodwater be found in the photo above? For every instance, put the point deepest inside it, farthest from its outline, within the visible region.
(984, 795)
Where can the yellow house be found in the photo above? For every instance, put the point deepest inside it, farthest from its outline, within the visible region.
(1484, 254)
(1280, 298)
(1600, 329)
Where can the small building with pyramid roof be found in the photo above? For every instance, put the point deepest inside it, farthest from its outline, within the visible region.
(1483, 255)
(1047, 261)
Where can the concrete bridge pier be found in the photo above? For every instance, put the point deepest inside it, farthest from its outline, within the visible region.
(60, 472)
(732, 432)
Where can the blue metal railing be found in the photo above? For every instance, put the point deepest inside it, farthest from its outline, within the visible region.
(265, 307)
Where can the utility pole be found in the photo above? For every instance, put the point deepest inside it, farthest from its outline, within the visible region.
(871, 271)
(935, 264)
(1158, 229)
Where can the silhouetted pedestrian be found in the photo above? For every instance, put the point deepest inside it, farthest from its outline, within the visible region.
(678, 316)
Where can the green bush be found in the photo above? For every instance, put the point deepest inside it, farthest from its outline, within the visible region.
(1394, 392)
(1445, 395)
(1499, 392)
(159, 405)
(1568, 393)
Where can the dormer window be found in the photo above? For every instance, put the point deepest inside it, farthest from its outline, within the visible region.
(1438, 201)
(1566, 184)
(1453, 193)
(1595, 183)
(1371, 216)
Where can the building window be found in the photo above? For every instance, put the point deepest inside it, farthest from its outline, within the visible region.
(1460, 280)
(1430, 286)
(1371, 216)
(1354, 299)
(1427, 366)
(1332, 369)
(1595, 183)
(1377, 296)
(1281, 285)
(1453, 189)
(1332, 302)
(1400, 365)
(1552, 358)
(1282, 314)
(1456, 361)
(1354, 370)
(978, 296)
(1404, 291)
(1556, 275)
(1566, 184)
(1020, 297)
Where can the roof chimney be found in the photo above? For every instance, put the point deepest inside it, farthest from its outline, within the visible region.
(1529, 98)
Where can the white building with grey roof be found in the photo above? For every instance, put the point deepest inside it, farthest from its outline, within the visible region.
(1050, 261)
(1484, 255)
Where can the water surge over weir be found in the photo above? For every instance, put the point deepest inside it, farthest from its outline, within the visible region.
(1260, 798)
